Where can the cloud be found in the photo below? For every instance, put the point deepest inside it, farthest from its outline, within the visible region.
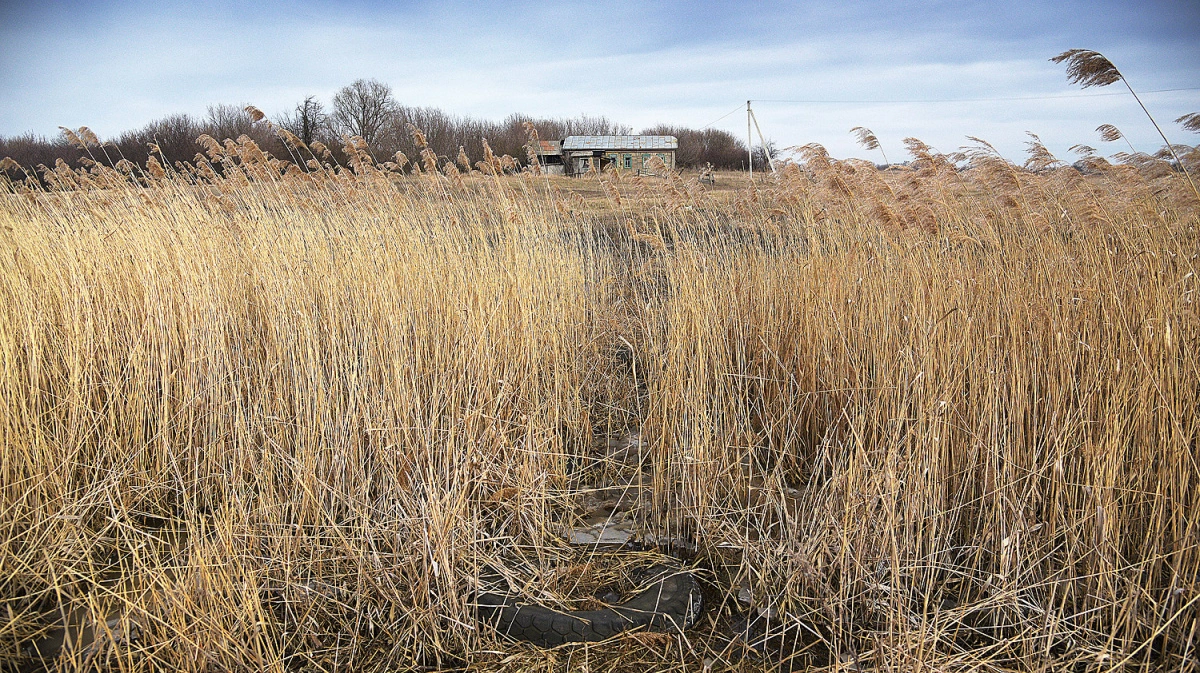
(115, 68)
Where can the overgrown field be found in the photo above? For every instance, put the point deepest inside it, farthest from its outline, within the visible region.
(921, 419)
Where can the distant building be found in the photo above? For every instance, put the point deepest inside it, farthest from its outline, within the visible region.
(632, 153)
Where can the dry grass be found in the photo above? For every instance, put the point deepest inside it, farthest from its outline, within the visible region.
(917, 419)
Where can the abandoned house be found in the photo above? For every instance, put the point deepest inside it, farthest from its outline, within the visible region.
(632, 153)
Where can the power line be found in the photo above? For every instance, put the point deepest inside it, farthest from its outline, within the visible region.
(739, 108)
(960, 100)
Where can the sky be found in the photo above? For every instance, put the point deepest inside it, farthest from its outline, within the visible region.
(814, 69)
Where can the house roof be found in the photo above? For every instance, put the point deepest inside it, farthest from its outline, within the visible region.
(620, 143)
(549, 147)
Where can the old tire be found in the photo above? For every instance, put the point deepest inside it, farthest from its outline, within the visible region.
(672, 601)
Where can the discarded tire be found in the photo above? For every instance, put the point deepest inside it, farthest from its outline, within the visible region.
(672, 601)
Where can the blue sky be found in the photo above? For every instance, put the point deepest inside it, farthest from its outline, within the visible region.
(114, 66)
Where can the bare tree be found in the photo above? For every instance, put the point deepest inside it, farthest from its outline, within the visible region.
(704, 146)
(364, 108)
(307, 121)
(762, 155)
(228, 121)
(234, 121)
(29, 150)
(173, 135)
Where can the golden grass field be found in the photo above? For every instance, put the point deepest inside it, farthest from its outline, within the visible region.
(920, 419)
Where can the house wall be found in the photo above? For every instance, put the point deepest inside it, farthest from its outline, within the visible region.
(633, 160)
(579, 162)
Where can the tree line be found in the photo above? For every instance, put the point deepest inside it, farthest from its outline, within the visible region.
(367, 109)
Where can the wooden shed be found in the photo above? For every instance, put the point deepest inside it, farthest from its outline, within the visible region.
(550, 156)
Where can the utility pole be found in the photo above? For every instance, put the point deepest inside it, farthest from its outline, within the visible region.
(766, 150)
(749, 144)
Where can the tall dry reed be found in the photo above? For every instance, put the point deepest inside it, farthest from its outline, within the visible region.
(258, 418)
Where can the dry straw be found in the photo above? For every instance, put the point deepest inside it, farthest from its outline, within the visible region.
(933, 418)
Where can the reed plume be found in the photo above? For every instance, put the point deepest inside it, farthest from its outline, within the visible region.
(89, 138)
(867, 139)
(1089, 68)
(418, 136)
(1040, 158)
(72, 138)
(1109, 133)
(1190, 121)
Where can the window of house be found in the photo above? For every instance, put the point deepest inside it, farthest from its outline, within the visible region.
(628, 161)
